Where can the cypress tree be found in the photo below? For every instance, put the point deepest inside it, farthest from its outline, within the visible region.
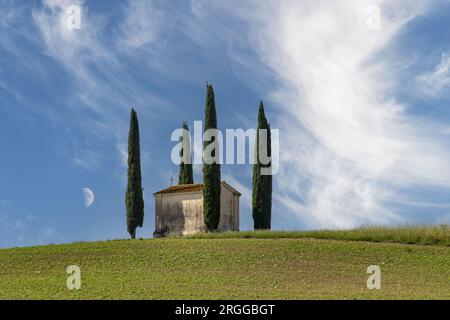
(268, 183)
(262, 184)
(211, 172)
(134, 200)
(186, 173)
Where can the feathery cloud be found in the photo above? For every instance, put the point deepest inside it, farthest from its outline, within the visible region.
(350, 153)
(436, 81)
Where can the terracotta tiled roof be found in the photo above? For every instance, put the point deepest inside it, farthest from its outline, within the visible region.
(191, 188)
(182, 188)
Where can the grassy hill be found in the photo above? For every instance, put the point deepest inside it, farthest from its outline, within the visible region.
(259, 265)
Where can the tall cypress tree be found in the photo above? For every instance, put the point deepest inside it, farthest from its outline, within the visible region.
(268, 182)
(262, 184)
(186, 173)
(134, 200)
(211, 172)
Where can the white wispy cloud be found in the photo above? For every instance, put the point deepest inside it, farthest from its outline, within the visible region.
(103, 88)
(350, 151)
(437, 80)
(142, 25)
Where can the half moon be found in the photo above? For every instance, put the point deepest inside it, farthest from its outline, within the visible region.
(88, 197)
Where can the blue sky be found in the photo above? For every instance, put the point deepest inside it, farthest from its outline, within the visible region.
(363, 112)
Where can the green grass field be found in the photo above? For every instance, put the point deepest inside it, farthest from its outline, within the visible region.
(261, 265)
(427, 235)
